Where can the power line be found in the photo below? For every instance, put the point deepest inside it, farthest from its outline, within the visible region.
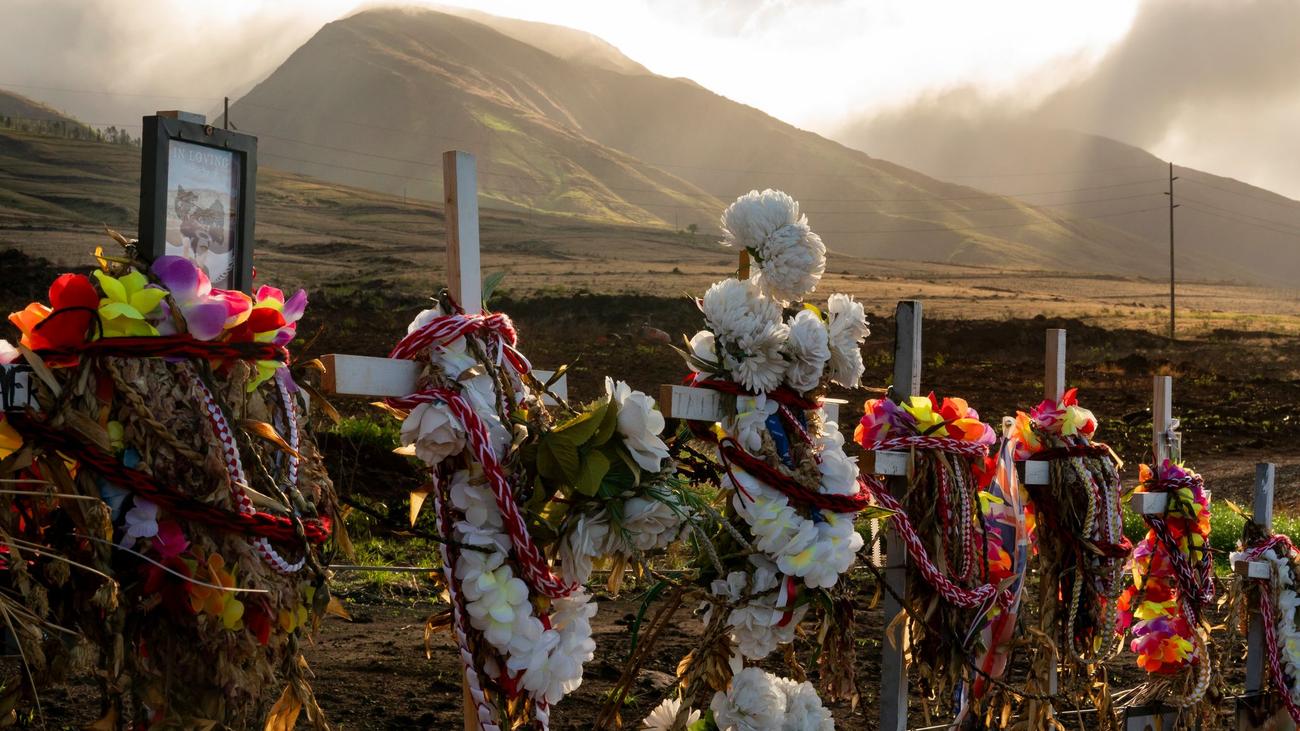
(99, 92)
(1290, 204)
(1200, 210)
(1239, 213)
(981, 228)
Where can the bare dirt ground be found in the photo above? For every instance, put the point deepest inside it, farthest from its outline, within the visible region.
(1235, 391)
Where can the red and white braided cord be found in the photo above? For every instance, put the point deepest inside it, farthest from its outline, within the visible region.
(235, 471)
(483, 707)
(447, 328)
(980, 596)
(536, 572)
(1268, 617)
(953, 513)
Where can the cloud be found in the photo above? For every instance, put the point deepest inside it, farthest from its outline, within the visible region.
(1209, 84)
(107, 61)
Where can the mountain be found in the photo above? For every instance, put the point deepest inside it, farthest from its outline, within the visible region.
(15, 105)
(1251, 231)
(371, 99)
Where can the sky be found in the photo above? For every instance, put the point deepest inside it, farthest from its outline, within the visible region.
(818, 64)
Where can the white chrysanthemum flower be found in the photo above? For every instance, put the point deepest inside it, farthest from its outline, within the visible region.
(790, 257)
(748, 332)
(804, 710)
(808, 350)
(434, 431)
(733, 308)
(848, 328)
(753, 703)
(640, 424)
(663, 716)
(759, 365)
(584, 541)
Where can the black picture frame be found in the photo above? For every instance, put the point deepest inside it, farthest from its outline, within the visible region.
(162, 137)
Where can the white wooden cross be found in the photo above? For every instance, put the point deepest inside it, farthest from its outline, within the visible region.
(359, 375)
(1256, 653)
(700, 404)
(897, 465)
(1166, 443)
(362, 375)
(1039, 472)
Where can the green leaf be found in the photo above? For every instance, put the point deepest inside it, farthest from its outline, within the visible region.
(490, 284)
(582, 427)
(706, 722)
(631, 465)
(607, 425)
(565, 454)
(874, 512)
(650, 595)
(547, 466)
(619, 479)
(593, 472)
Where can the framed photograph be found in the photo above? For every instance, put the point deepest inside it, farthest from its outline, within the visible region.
(197, 195)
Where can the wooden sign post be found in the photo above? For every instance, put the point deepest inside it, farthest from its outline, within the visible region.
(357, 375)
(893, 662)
(1039, 472)
(1166, 443)
(1252, 710)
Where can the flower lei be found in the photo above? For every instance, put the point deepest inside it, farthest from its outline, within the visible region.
(120, 346)
(1172, 579)
(522, 626)
(955, 492)
(1081, 508)
(756, 700)
(792, 493)
(1278, 602)
(790, 482)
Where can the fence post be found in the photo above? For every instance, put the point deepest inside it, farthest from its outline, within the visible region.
(893, 666)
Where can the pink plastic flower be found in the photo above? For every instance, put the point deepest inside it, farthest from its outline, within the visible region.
(207, 312)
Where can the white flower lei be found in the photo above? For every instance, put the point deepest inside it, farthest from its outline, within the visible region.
(1288, 635)
(544, 652)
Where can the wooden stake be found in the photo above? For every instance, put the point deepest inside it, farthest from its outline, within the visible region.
(460, 194)
(1262, 516)
(893, 666)
(1054, 377)
(1163, 440)
(742, 268)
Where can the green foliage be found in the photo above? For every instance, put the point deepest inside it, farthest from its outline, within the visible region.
(383, 433)
(1225, 531)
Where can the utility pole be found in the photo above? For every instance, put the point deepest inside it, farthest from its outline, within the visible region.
(225, 116)
(1172, 206)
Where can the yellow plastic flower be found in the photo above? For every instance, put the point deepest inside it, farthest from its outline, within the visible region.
(921, 409)
(126, 304)
(10, 441)
(217, 602)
